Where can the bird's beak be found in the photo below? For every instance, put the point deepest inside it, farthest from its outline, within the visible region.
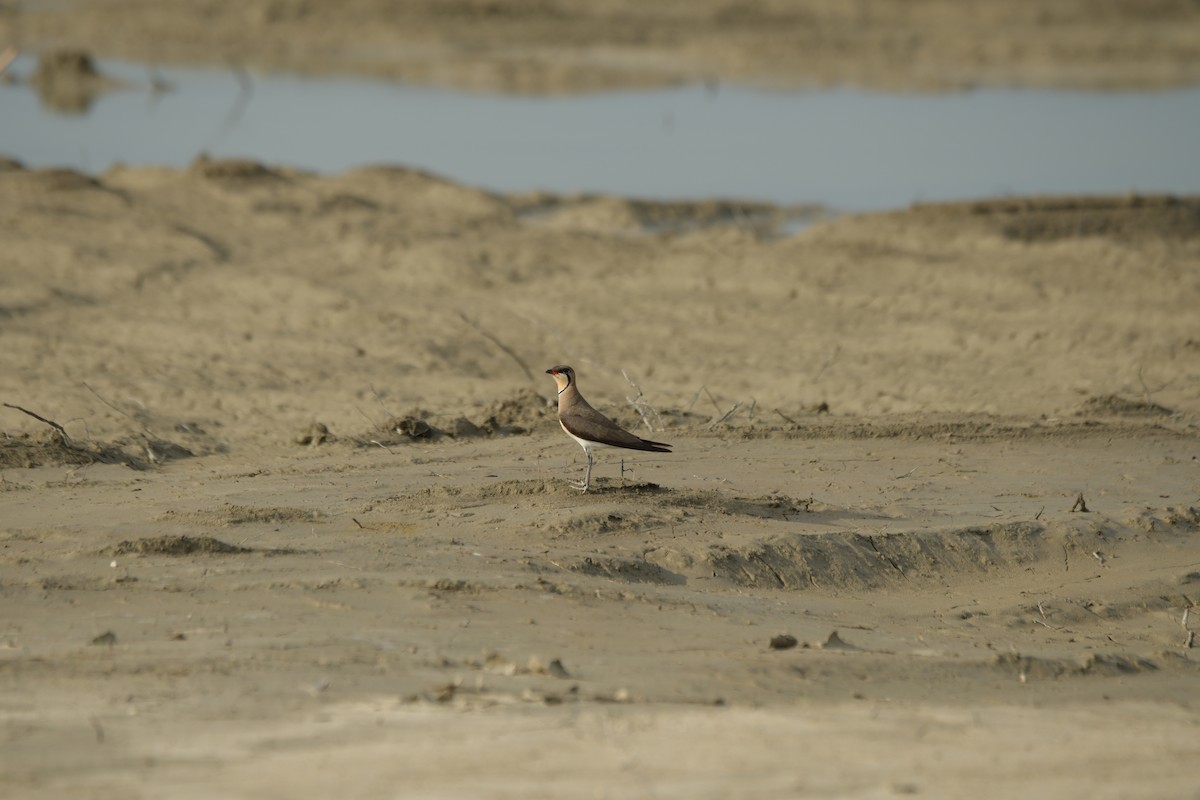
(551, 372)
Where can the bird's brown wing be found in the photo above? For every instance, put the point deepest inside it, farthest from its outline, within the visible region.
(589, 424)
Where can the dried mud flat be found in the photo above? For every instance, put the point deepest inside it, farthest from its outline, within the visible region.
(362, 620)
(283, 503)
(283, 489)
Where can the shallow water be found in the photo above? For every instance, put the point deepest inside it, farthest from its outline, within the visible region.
(846, 149)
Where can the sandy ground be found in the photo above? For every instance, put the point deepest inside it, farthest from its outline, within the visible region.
(296, 520)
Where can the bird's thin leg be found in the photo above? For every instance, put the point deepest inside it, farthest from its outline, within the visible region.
(587, 476)
(583, 484)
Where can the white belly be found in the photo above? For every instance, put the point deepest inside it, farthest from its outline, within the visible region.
(587, 446)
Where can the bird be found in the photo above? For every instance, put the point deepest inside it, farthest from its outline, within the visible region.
(588, 426)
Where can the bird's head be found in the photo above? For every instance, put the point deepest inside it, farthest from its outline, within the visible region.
(563, 376)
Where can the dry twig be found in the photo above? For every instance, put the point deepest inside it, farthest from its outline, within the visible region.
(508, 351)
(105, 455)
(837, 351)
(642, 406)
(712, 399)
(1147, 392)
(379, 400)
(61, 430)
(1044, 621)
(125, 414)
(726, 415)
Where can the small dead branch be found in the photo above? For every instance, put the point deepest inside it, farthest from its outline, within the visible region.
(786, 418)
(106, 455)
(1044, 621)
(379, 400)
(61, 430)
(363, 414)
(508, 351)
(1080, 504)
(642, 406)
(125, 414)
(1147, 392)
(837, 351)
(711, 399)
(726, 415)
(553, 331)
